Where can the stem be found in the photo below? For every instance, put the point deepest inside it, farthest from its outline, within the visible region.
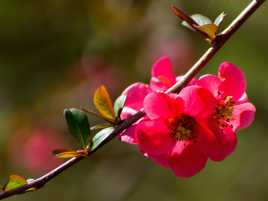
(185, 17)
(220, 40)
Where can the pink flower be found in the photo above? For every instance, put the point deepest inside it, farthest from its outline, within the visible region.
(135, 95)
(174, 133)
(227, 112)
(162, 77)
(34, 152)
(233, 111)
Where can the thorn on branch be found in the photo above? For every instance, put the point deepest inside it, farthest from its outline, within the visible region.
(183, 16)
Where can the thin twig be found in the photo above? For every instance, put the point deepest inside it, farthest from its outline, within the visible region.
(185, 17)
(220, 40)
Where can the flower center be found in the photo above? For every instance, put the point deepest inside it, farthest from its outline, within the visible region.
(224, 111)
(183, 128)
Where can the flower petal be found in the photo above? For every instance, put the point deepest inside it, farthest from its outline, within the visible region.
(154, 137)
(243, 115)
(206, 139)
(210, 82)
(226, 142)
(162, 74)
(198, 101)
(127, 112)
(161, 105)
(243, 98)
(233, 80)
(135, 95)
(186, 159)
(128, 135)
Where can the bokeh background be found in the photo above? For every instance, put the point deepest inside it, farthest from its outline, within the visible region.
(53, 55)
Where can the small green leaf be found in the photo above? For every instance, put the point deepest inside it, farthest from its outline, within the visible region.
(199, 19)
(205, 25)
(119, 104)
(78, 124)
(219, 19)
(185, 24)
(100, 137)
(15, 181)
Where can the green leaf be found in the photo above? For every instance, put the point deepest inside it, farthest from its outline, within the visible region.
(201, 19)
(103, 103)
(119, 104)
(15, 181)
(185, 24)
(100, 137)
(78, 124)
(219, 19)
(205, 25)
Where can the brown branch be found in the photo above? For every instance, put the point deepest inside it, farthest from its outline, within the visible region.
(183, 16)
(220, 40)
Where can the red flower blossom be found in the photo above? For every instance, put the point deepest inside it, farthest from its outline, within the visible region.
(233, 111)
(182, 131)
(162, 77)
(34, 152)
(174, 133)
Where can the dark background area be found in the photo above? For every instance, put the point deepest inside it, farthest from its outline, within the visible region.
(54, 53)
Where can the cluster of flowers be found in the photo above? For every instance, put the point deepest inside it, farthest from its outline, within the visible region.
(182, 131)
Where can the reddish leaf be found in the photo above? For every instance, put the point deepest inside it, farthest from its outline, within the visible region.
(209, 29)
(103, 103)
(15, 181)
(66, 154)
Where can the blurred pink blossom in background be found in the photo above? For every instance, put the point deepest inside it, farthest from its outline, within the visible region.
(32, 149)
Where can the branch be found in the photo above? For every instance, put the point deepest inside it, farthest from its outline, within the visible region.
(219, 42)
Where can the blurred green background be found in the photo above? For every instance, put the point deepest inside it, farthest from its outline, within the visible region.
(53, 55)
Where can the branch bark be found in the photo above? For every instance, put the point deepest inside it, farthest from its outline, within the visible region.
(219, 42)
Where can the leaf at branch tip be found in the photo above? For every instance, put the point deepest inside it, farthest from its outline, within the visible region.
(209, 29)
(78, 124)
(15, 181)
(199, 19)
(186, 24)
(205, 25)
(119, 104)
(66, 154)
(103, 103)
(100, 137)
(219, 19)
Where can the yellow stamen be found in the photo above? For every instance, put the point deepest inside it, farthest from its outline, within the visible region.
(183, 128)
(224, 111)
